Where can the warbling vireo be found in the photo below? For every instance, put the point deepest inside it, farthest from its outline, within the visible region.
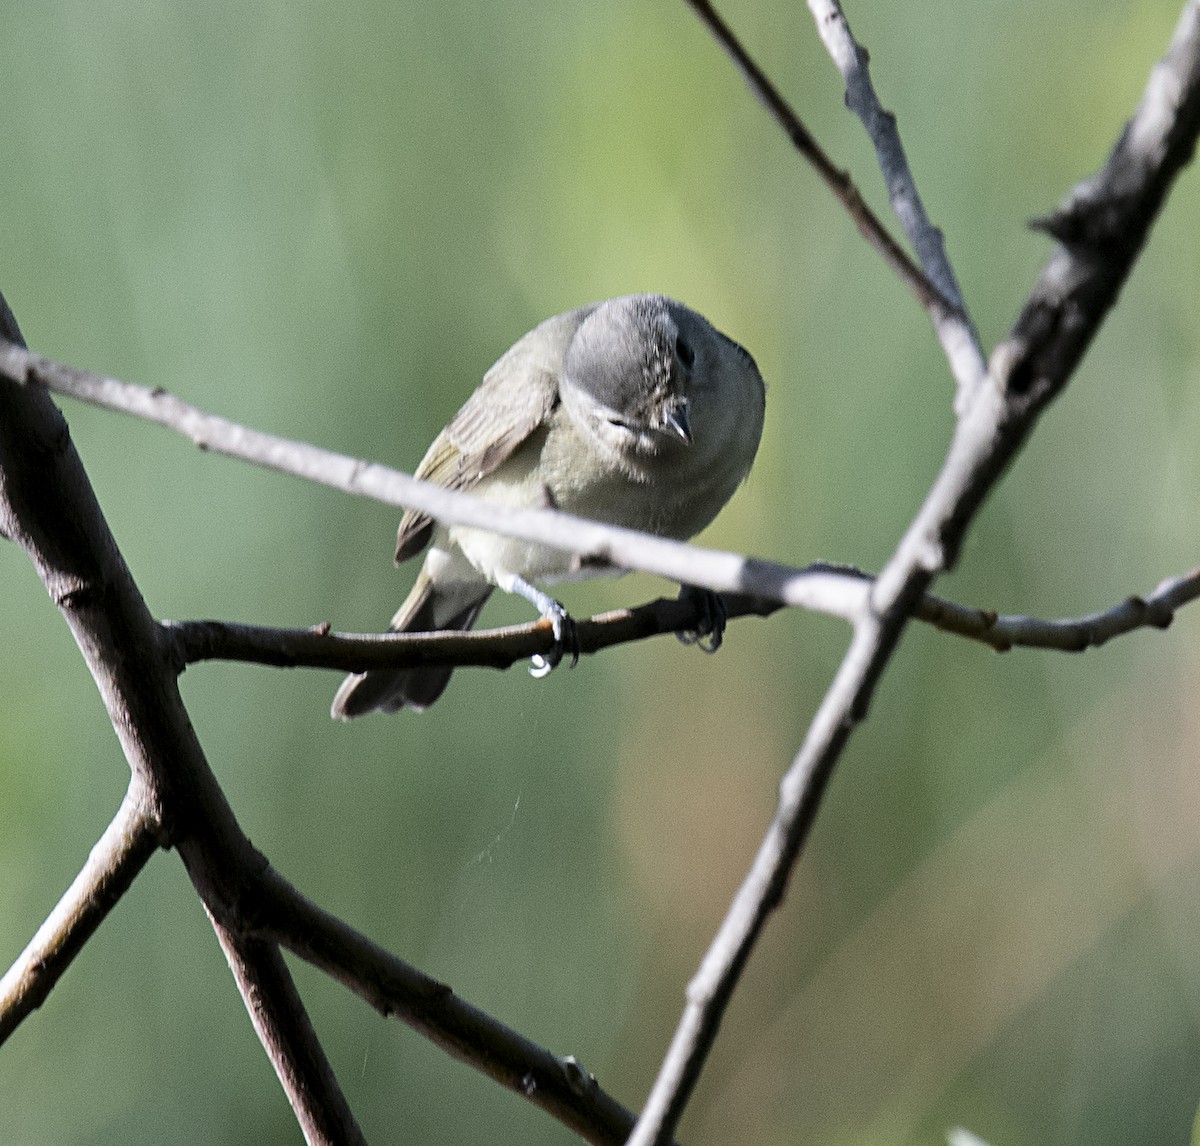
(633, 411)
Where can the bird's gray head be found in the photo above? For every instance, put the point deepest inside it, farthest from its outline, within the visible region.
(631, 362)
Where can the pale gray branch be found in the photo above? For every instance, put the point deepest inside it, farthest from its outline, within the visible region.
(595, 543)
(953, 327)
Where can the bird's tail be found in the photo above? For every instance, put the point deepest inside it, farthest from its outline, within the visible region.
(427, 609)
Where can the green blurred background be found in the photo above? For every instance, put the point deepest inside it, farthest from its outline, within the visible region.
(326, 220)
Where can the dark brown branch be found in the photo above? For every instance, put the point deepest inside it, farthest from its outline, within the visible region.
(120, 854)
(131, 838)
(501, 648)
(560, 1086)
(48, 508)
(288, 1037)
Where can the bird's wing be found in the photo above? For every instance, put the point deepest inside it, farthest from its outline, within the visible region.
(515, 397)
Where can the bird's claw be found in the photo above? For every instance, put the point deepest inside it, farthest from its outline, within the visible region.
(566, 640)
(711, 616)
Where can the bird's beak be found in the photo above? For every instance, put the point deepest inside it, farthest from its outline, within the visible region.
(677, 421)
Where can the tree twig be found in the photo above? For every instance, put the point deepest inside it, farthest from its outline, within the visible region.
(941, 307)
(1105, 222)
(500, 648)
(831, 589)
(1070, 635)
(954, 328)
(119, 855)
(283, 1027)
(560, 1086)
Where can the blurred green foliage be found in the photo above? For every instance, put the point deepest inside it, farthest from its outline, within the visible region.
(326, 220)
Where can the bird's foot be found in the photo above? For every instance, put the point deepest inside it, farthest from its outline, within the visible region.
(566, 639)
(709, 631)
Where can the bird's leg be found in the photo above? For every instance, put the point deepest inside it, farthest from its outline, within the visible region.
(710, 621)
(565, 638)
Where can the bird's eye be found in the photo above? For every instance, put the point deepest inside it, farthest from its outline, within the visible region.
(686, 354)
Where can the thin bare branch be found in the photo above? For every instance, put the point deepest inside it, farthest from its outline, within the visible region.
(1004, 632)
(486, 648)
(288, 1037)
(596, 544)
(120, 854)
(1070, 635)
(560, 1086)
(954, 328)
(940, 306)
(1105, 222)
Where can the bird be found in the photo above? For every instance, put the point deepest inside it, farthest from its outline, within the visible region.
(634, 411)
